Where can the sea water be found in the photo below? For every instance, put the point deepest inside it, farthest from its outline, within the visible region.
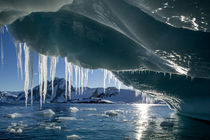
(98, 121)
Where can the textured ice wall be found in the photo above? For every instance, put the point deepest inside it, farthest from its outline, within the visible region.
(11, 10)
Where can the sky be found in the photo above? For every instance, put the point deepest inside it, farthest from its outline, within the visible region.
(10, 81)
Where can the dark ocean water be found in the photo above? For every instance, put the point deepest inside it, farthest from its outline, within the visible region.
(98, 121)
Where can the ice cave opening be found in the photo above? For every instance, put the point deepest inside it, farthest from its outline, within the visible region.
(161, 53)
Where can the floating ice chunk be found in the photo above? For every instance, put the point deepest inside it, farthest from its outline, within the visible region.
(88, 109)
(14, 124)
(19, 130)
(67, 118)
(45, 113)
(14, 115)
(57, 127)
(112, 113)
(73, 137)
(97, 115)
(73, 109)
(47, 128)
(11, 130)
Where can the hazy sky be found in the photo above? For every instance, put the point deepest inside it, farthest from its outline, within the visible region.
(10, 81)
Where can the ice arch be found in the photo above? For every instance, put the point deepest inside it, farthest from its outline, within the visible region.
(148, 50)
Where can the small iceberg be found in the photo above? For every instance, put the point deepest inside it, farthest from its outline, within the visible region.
(73, 109)
(45, 113)
(73, 137)
(67, 118)
(88, 109)
(113, 113)
(14, 130)
(14, 115)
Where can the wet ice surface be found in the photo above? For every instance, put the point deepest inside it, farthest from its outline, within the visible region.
(98, 121)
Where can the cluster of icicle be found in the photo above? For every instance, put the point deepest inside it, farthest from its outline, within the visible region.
(80, 74)
(80, 78)
(110, 77)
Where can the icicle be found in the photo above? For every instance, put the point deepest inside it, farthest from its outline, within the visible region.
(26, 50)
(86, 78)
(105, 76)
(70, 76)
(31, 75)
(79, 79)
(109, 76)
(40, 66)
(2, 45)
(75, 69)
(45, 76)
(82, 80)
(20, 59)
(119, 85)
(53, 63)
(66, 75)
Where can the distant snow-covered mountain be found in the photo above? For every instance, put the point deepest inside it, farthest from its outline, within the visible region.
(90, 95)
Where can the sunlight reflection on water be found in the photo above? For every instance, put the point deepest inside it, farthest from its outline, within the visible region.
(143, 121)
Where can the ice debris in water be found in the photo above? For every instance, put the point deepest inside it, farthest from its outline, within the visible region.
(16, 128)
(73, 109)
(73, 137)
(67, 118)
(14, 115)
(45, 113)
(113, 113)
(88, 109)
